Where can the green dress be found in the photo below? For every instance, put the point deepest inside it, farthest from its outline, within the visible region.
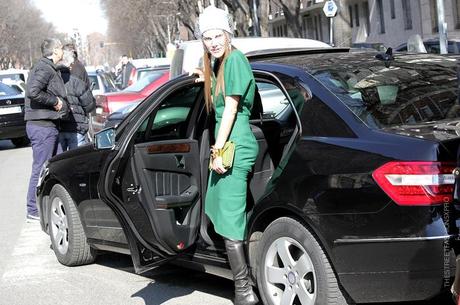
(225, 202)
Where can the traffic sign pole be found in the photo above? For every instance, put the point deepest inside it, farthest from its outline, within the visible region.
(330, 10)
(331, 31)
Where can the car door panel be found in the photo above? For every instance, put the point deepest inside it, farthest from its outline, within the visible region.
(157, 178)
(168, 174)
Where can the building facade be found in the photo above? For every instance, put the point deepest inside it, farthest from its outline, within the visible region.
(390, 22)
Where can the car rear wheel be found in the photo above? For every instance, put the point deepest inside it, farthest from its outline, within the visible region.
(20, 142)
(293, 268)
(66, 230)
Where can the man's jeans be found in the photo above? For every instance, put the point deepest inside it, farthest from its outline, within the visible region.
(71, 140)
(45, 144)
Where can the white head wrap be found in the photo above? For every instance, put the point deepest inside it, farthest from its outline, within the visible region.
(214, 18)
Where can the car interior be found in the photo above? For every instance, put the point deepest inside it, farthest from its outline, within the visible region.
(178, 133)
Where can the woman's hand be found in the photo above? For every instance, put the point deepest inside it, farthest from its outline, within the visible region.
(198, 72)
(218, 166)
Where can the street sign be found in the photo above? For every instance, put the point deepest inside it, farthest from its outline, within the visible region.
(330, 8)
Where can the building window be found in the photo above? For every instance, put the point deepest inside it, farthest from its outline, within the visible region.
(367, 16)
(434, 16)
(456, 11)
(392, 9)
(350, 11)
(357, 14)
(381, 15)
(407, 15)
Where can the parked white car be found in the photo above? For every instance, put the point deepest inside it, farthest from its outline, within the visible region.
(189, 53)
(14, 74)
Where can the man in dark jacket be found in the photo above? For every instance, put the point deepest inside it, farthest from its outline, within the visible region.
(72, 130)
(45, 104)
(126, 69)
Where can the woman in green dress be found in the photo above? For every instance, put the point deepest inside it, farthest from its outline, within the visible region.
(229, 91)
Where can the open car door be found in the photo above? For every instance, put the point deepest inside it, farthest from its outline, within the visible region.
(157, 180)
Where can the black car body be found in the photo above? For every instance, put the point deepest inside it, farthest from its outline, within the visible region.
(12, 124)
(352, 188)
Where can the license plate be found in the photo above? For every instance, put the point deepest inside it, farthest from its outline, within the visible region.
(10, 110)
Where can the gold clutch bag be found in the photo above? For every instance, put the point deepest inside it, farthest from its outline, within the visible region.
(227, 153)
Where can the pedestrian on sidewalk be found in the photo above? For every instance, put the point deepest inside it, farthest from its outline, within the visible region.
(73, 128)
(45, 104)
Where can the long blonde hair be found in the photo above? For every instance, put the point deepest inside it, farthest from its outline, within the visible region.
(208, 72)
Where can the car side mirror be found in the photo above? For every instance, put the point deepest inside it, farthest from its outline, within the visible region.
(105, 139)
(93, 84)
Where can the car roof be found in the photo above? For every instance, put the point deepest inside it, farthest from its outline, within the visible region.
(314, 61)
(161, 67)
(14, 71)
(194, 48)
(150, 62)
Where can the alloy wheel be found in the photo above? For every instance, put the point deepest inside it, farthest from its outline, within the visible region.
(289, 273)
(59, 225)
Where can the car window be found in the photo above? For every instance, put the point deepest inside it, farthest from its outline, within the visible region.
(409, 92)
(107, 82)
(176, 63)
(273, 99)
(144, 82)
(93, 79)
(143, 73)
(14, 76)
(7, 90)
(170, 119)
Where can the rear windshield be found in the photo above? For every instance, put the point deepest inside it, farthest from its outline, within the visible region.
(407, 92)
(14, 76)
(145, 81)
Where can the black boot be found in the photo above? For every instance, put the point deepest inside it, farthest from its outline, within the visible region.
(244, 295)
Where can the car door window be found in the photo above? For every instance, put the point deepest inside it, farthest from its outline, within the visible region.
(170, 119)
(273, 99)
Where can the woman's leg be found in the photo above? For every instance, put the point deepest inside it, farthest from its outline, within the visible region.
(244, 295)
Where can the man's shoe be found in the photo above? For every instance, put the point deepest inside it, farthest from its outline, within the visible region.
(31, 218)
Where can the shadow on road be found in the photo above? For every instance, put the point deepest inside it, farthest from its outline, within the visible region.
(7, 144)
(169, 281)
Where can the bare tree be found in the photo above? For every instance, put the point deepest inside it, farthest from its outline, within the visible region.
(22, 30)
(141, 28)
(291, 10)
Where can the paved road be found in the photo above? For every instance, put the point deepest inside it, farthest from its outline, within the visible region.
(31, 275)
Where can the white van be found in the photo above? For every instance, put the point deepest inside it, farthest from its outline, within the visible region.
(189, 53)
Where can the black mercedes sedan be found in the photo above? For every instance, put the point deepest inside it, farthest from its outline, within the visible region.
(12, 124)
(350, 199)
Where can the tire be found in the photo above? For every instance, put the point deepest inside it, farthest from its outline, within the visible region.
(300, 274)
(20, 142)
(68, 238)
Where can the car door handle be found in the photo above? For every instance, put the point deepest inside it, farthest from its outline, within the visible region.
(133, 189)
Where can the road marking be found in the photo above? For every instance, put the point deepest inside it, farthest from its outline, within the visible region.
(31, 259)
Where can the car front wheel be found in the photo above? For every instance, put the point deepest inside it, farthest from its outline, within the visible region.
(66, 230)
(293, 268)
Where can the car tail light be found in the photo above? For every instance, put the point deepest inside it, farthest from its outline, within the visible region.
(102, 104)
(132, 77)
(416, 183)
